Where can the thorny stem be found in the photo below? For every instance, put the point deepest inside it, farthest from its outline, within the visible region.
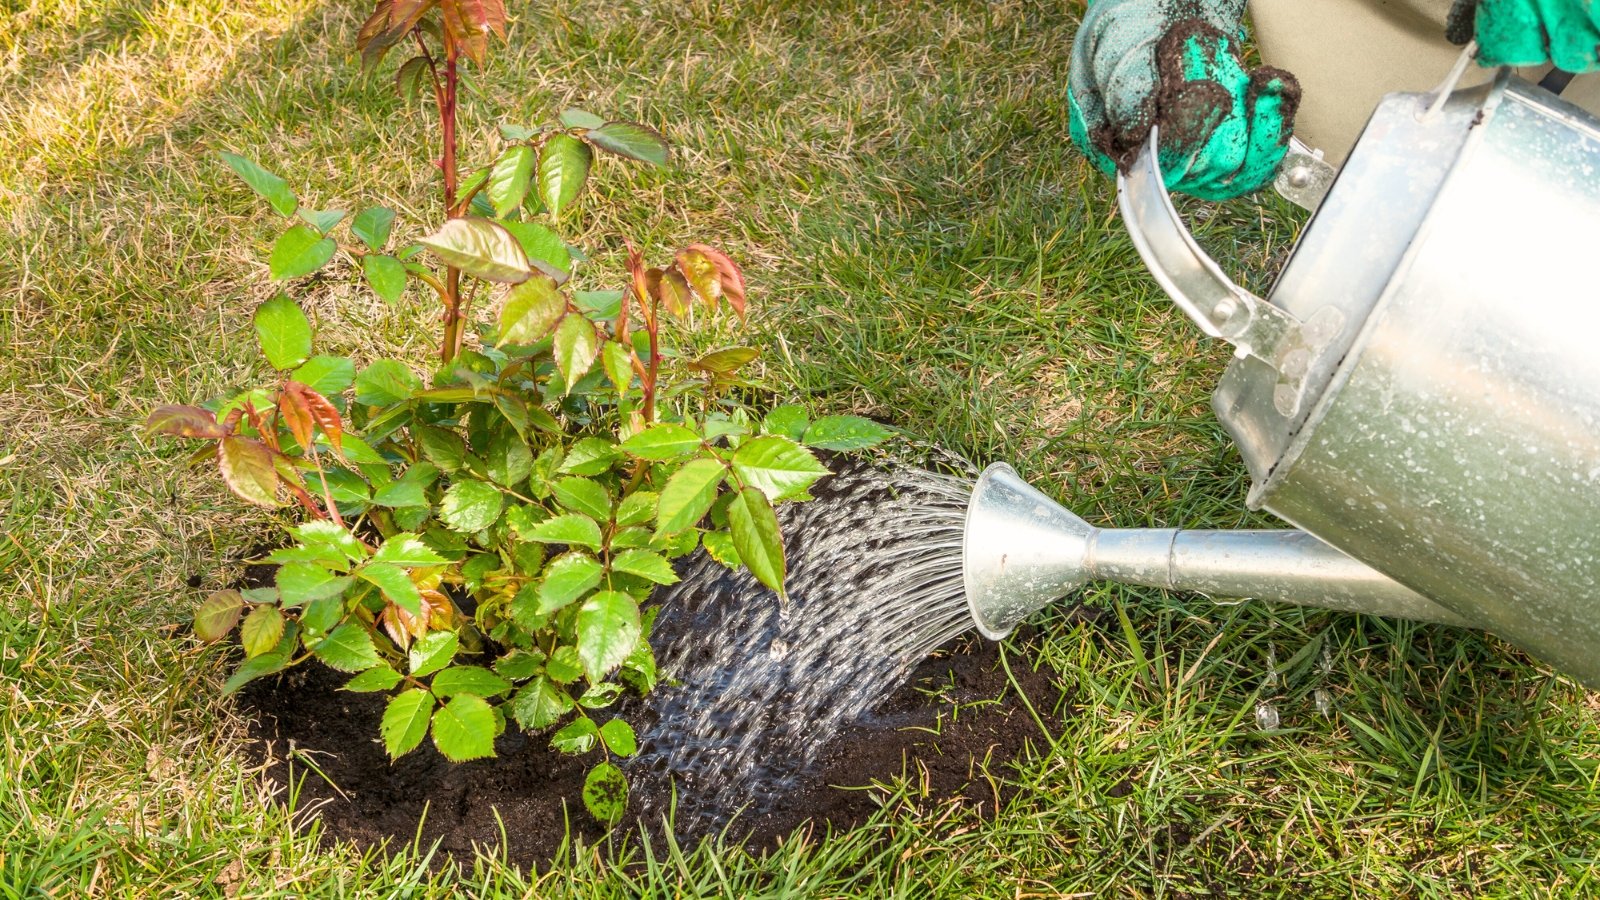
(453, 313)
(327, 492)
(653, 328)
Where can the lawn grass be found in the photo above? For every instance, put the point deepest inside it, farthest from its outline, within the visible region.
(924, 246)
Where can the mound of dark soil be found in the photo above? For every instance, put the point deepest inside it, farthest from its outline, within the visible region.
(360, 795)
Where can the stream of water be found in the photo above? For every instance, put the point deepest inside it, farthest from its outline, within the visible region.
(874, 584)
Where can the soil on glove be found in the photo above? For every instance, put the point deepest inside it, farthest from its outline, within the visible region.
(522, 801)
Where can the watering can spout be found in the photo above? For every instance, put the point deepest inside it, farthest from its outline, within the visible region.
(1023, 551)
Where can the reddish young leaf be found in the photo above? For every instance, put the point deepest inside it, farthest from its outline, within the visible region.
(486, 14)
(376, 24)
(292, 409)
(701, 274)
(377, 34)
(641, 283)
(675, 292)
(405, 14)
(397, 623)
(322, 412)
(246, 467)
(185, 421)
(728, 273)
(464, 31)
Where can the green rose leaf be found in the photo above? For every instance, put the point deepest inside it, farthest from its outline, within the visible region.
(776, 466)
(564, 666)
(632, 538)
(261, 630)
(619, 737)
(787, 421)
(284, 332)
(381, 677)
(531, 309)
(617, 359)
(726, 361)
(348, 648)
(563, 167)
(371, 226)
(475, 680)
(269, 186)
(396, 585)
(590, 456)
(509, 460)
(480, 248)
(384, 382)
(688, 495)
(646, 564)
(583, 496)
(470, 506)
(218, 614)
(331, 537)
(608, 630)
(662, 442)
(542, 246)
(442, 447)
(632, 140)
(509, 179)
(578, 118)
(432, 652)
(267, 663)
(600, 696)
(578, 736)
(246, 467)
(637, 508)
(572, 529)
(540, 704)
(299, 251)
(385, 275)
(410, 489)
(323, 220)
(755, 535)
(639, 669)
(568, 577)
(845, 433)
(320, 616)
(576, 345)
(405, 721)
(327, 375)
(407, 550)
(605, 793)
(598, 306)
(719, 544)
(520, 664)
(300, 583)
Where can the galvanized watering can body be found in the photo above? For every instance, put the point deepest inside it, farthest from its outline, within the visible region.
(1422, 391)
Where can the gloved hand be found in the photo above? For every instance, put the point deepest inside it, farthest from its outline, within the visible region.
(1565, 33)
(1176, 64)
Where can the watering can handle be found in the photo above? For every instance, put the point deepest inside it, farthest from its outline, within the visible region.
(1198, 286)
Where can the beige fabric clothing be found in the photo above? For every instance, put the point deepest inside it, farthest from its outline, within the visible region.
(1349, 53)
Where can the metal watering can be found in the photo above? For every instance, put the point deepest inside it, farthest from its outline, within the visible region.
(1420, 394)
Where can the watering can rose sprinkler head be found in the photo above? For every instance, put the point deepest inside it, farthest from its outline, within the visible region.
(1022, 551)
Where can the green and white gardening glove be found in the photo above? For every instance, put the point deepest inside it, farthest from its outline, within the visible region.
(1176, 64)
(1564, 33)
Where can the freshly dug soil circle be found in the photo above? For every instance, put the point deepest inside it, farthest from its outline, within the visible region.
(523, 800)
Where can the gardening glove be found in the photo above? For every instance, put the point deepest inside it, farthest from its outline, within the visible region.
(1176, 64)
(1564, 33)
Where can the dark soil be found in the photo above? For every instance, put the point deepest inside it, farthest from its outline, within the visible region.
(304, 719)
